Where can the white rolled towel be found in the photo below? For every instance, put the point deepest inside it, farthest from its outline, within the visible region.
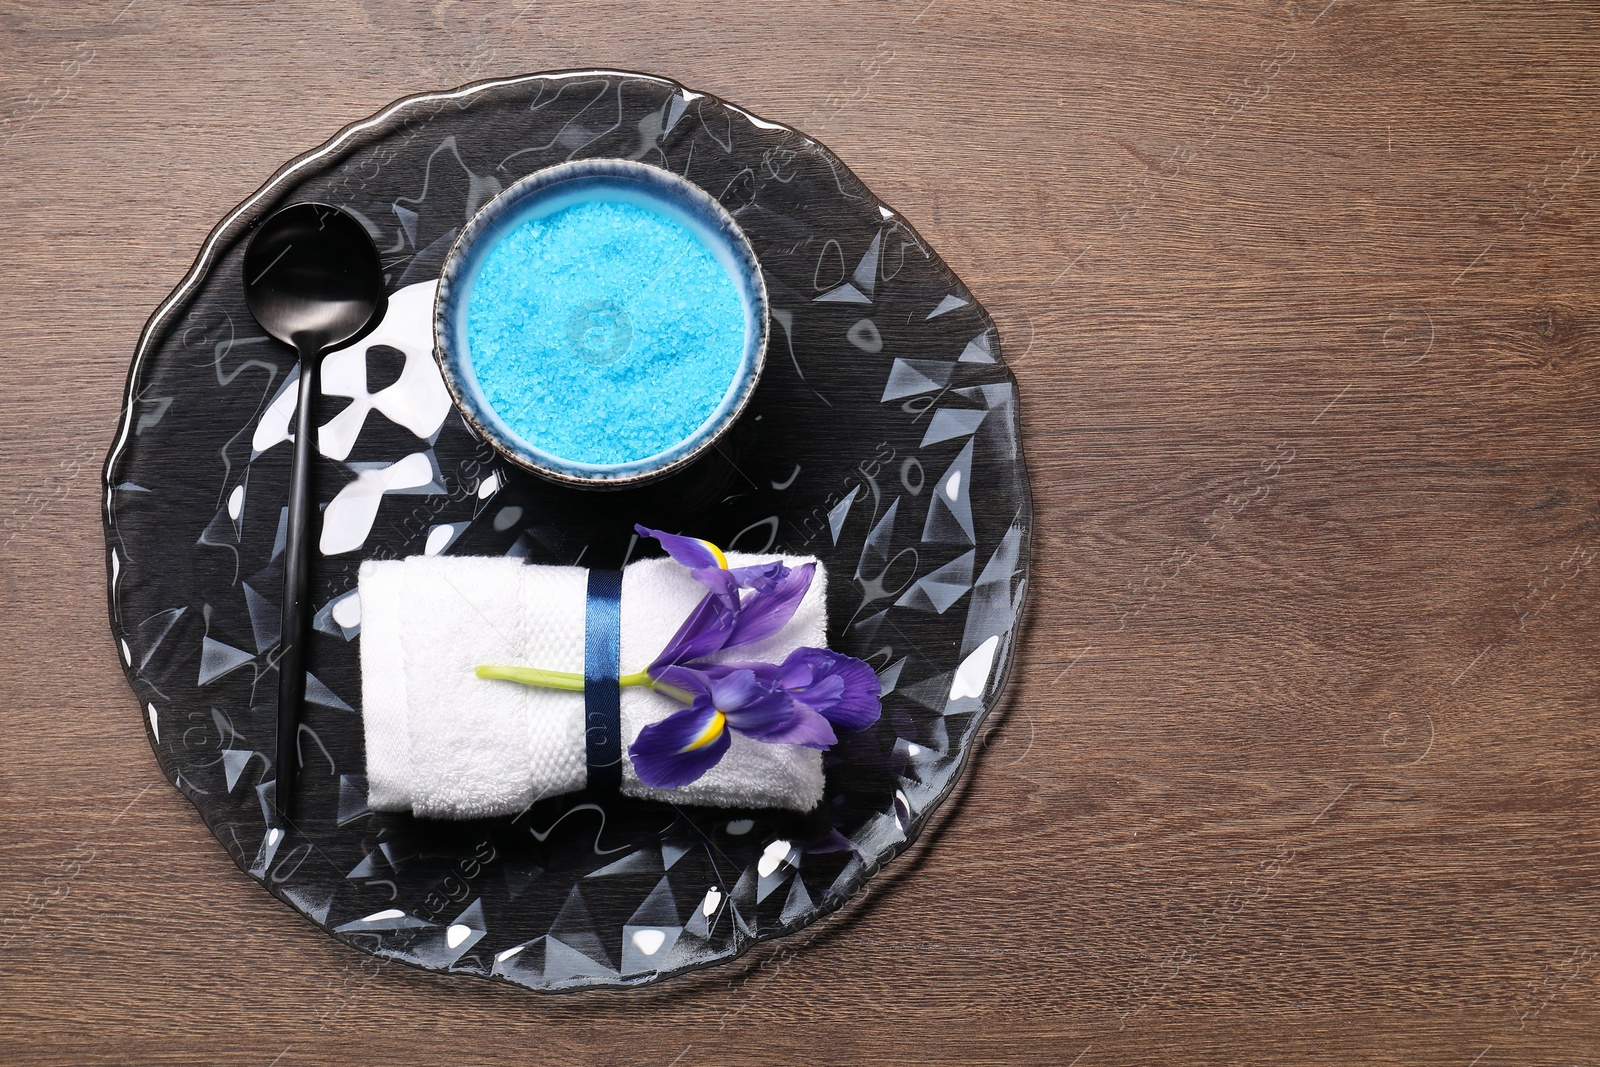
(446, 744)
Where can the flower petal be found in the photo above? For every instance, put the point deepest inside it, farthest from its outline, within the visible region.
(753, 703)
(706, 630)
(842, 688)
(680, 748)
(724, 585)
(760, 576)
(690, 680)
(733, 690)
(692, 552)
(788, 722)
(764, 613)
(764, 718)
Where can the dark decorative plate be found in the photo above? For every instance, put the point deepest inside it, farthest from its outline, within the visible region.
(883, 438)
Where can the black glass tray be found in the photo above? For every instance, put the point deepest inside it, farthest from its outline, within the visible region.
(883, 438)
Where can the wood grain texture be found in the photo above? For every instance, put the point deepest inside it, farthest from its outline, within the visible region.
(1299, 761)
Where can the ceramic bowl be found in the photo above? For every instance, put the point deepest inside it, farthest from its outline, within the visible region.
(546, 192)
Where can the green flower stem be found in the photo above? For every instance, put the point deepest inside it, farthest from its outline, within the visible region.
(535, 676)
(573, 683)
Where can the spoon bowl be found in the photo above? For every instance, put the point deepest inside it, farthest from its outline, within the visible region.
(312, 278)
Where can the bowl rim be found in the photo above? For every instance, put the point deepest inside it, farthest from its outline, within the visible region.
(665, 184)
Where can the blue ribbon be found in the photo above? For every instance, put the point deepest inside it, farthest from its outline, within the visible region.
(602, 667)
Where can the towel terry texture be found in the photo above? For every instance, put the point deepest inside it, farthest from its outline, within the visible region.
(443, 743)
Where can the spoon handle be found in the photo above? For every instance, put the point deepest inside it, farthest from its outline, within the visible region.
(296, 585)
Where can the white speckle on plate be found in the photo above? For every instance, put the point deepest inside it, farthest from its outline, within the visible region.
(649, 941)
(772, 857)
(347, 611)
(973, 674)
(952, 488)
(438, 538)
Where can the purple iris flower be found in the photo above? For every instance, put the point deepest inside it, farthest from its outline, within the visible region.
(796, 702)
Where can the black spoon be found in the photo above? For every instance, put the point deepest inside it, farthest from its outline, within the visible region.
(312, 280)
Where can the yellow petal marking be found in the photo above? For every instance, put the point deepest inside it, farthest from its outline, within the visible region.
(712, 731)
(722, 561)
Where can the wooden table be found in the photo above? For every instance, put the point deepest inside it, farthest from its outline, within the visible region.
(1298, 763)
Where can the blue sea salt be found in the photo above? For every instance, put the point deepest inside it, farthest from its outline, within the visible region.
(605, 332)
